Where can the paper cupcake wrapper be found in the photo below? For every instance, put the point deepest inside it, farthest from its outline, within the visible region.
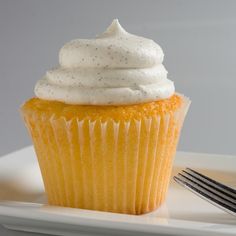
(112, 166)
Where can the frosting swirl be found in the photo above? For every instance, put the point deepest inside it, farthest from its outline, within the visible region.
(115, 68)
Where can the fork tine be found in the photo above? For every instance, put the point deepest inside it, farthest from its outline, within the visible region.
(208, 185)
(204, 187)
(216, 184)
(206, 195)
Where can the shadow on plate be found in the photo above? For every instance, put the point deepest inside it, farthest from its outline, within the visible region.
(11, 191)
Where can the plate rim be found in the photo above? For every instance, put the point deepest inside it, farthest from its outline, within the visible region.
(9, 210)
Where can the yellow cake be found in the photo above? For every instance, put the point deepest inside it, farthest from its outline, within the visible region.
(116, 158)
(106, 157)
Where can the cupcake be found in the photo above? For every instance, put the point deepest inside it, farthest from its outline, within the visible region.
(105, 124)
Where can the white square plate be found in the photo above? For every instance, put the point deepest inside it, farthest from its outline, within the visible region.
(23, 203)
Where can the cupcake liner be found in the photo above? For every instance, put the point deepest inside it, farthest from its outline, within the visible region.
(107, 165)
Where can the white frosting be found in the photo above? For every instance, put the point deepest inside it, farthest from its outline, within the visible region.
(115, 68)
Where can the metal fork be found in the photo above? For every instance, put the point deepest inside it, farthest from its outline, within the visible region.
(216, 193)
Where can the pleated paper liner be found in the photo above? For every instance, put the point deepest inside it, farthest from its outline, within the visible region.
(122, 167)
